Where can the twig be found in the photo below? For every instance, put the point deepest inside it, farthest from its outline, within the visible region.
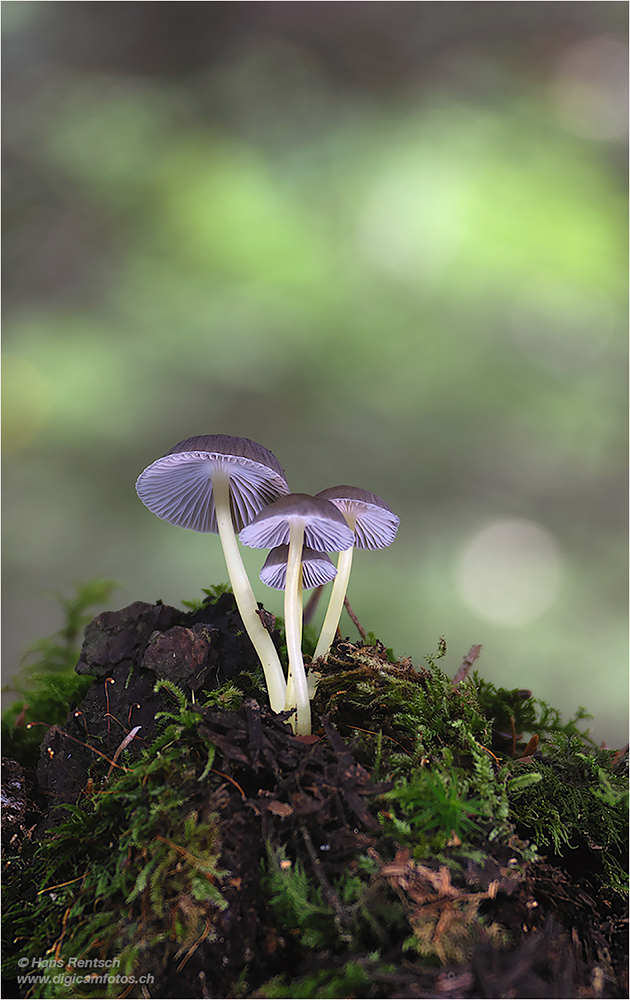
(125, 743)
(193, 947)
(513, 736)
(235, 783)
(356, 621)
(467, 663)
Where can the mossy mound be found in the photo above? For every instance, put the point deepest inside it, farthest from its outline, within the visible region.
(174, 838)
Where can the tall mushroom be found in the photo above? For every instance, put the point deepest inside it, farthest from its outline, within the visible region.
(218, 483)
(374, 525)
(296, 520)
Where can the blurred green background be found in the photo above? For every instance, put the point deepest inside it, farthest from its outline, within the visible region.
(385, 240)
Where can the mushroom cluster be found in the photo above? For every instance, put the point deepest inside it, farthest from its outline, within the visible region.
(223, 484)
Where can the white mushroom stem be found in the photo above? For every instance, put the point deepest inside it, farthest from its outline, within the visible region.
(338, 593)
(297, 688)
(244, 595)
(335, 604)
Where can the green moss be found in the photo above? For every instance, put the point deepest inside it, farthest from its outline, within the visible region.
(351, 980)
(516, 712)
(435, 801)
(136, 870)
(298, 905)
(423, 710)
(454, 756)
(133, 872)
(579, 800)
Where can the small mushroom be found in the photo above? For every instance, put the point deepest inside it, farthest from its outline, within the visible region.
(374, 525)
(296, 520)
(317, 568)
(218, 483)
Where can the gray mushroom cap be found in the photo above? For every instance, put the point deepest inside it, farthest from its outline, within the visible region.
(317, 568)
(178, 486)
(375, 524)
(325, 528)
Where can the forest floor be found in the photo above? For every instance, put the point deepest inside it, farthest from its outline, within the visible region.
(434, 837)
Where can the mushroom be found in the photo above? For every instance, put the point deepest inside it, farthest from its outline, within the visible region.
(296, 520)
(374, 525)
(317, 568)
(218, 483)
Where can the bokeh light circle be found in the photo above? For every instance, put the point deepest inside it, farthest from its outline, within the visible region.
(509, 572)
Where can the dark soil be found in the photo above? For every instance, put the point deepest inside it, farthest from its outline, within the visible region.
(542, 929)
